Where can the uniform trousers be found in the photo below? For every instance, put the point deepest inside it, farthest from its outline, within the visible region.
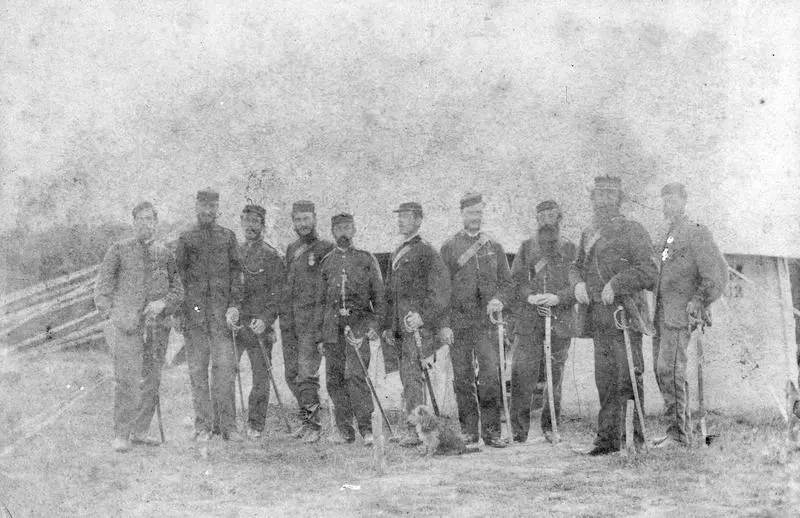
(483, 342)
(301, 359)
(525, 374)
(612, 377)
(209, 342)
(258, 400)
(137, 376)
(347, 385)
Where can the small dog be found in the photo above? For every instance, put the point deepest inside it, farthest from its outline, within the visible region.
(437, 434)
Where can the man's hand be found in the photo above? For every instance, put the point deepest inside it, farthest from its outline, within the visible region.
(581, 294)
(544, 299)
(388, 337)
(694, 309)
(446, 336)
(494, 306)
(232, 317)
(154, 309)
(372, 335)
(413, 321)
(257, 326)
(608, 294)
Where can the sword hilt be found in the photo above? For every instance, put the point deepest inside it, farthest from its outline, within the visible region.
(544, 311)
(496, 318)
(620, 318)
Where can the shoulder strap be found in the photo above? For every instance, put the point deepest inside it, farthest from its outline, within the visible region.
(470, 252)
(300, 250)
(400, 253)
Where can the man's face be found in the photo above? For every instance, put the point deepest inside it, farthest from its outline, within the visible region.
(206, 211)
(304, 223)
(252, 226)
(548, 219)
(674, 205)
(144, 224)
(343, 233)
(473, 217)
(604, 199)
(408, 222)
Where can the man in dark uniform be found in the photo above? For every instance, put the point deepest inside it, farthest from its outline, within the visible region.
(480, 282)
(301, 355)
(137, 287)
(208, 262)
(614, 264)
(350, 294)
(263, 277)
(541, 278)
(418, 292)
(693, 275)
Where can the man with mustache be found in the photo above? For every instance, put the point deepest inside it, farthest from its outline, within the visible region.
(418, 292)
(693, 275)
(613, 266)
(481, 281)
(301, 355)
(351, 294)
(137, 287)
(208, 262)
(263, 275)
(541, 278)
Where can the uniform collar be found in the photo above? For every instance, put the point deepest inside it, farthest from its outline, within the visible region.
(413, 237)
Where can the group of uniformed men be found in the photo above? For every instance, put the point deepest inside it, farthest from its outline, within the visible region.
(227, 296)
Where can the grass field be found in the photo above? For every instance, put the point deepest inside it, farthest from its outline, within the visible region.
(65, 466)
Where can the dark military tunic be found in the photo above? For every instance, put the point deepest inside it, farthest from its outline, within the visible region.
(351, 281)
(534, 272)
(692, 268)
(263, 274)
(474, 282)
(619, 253)
(417, 281)
(301, 356)
(209, 266)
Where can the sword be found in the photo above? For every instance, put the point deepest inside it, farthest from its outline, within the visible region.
(500, 323)
(425, 373)
(547, 313)
(268, 363)
(700, 388)
(355, 343)
(621, 321)
(238, 373)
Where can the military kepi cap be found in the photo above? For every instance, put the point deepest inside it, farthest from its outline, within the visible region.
(344, 217)
(207, 194)
(607, 183)
(409, 206)
(547, 205)
(303, 206)
(143, 206)
(471, 198)
(674, 188)
(255, 209)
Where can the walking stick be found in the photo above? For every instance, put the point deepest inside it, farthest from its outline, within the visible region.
(355, 343)
(547, 313)
(425, 373)
(149, 332)
(621, 321)
(238, 373)
(500, 323)
(268, 363)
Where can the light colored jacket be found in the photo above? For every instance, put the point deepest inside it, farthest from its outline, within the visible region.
(133, 275)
